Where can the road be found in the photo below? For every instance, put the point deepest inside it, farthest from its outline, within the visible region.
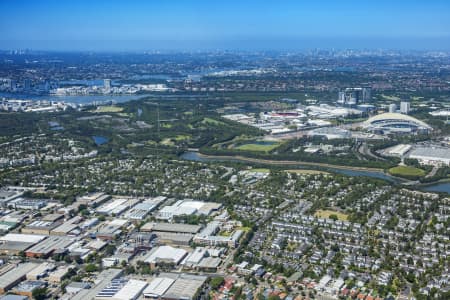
(432, 172)
(365, 150)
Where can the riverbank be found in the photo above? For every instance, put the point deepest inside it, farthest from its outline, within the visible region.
(346, 170)
(81, 99)
(442, 186)
(289, 162)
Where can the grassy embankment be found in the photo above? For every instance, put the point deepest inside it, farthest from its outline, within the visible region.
(407, 172)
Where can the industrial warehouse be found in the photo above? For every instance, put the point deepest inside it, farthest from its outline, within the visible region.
(51, 235)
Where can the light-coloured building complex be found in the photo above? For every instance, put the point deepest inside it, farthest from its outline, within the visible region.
(15, 275)
(166, 254)
(435, 156)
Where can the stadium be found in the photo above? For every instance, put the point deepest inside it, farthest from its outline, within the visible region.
(395, 123)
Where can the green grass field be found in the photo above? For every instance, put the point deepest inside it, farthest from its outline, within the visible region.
(108, 109)
(212, 121)
(182, 137)
(390, 97)
(257, 147)
(260, 170)
(406, 171)
(325, 214)
(417, 98)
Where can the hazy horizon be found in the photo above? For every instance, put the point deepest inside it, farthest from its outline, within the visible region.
(232, 25)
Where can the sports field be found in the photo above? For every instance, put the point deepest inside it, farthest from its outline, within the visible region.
(258, 146)
(108, 109)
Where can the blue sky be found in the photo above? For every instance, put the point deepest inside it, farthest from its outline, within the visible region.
(227, 24)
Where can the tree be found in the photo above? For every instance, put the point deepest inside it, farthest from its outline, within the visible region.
(110, 249)
(91, 268)
(40, 293)
(333, 217)
(216, 282)
(130, 270)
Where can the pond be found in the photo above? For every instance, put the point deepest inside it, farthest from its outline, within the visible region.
(99, 140)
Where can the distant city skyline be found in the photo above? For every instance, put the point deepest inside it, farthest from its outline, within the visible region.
(227, 25)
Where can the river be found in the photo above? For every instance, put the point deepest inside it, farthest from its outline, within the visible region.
(437, 187)
(442, 187)
(88, 99)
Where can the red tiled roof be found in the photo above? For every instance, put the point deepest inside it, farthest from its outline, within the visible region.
(361, 296)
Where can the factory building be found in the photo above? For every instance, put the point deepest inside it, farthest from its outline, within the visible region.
(26, 288)
(41, 227)
(141, 210)
(111, 229)
(330, 133)
(105, 278)
(187, 207)
(170, 227)
(49, 246)
(166, 255)
(14, 276)
(157, 287)
(116, 206)
(122, 289)
(15, 243)
(185, 287)
(432, 155)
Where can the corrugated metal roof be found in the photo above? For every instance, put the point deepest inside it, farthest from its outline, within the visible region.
(158, 286)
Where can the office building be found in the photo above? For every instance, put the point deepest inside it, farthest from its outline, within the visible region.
(353, 96)
(392, 108)
(107, 85)
(405, 107)
(27, 85)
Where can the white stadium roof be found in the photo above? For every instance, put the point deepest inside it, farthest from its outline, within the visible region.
(397, 117)
(394, 117)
